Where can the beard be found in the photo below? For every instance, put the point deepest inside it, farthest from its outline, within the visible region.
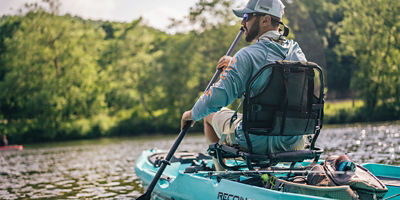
(254, 30)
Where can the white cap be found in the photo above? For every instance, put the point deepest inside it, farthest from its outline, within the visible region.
(271, 7)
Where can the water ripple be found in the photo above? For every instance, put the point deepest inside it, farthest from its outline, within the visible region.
(102, 169)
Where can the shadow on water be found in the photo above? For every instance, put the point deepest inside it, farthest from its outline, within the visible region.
(103, 168)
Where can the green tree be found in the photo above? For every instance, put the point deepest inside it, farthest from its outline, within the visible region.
(189, 59)
(370, 33)
(51, 75)
(314, 23)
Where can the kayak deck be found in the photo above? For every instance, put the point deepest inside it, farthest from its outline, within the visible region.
(190, 176)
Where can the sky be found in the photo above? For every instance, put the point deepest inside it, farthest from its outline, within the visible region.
(154, 12)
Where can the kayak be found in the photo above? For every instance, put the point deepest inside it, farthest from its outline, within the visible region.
(191, 176)
(11, 148)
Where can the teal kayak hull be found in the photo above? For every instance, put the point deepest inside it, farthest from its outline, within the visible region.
(176, 184)
(388, 173)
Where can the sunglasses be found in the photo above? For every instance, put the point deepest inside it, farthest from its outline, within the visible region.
(246, 16)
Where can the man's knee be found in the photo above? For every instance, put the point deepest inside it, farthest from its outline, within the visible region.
(208, 119)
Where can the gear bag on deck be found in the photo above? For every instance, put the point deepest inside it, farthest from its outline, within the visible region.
(360, 180)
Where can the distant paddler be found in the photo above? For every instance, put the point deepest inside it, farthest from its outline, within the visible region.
(3, 141)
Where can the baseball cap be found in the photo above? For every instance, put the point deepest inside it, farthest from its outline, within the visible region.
(271, 7)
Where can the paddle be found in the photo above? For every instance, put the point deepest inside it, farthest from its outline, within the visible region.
(150, 188)
(147, 195)
(228, 53)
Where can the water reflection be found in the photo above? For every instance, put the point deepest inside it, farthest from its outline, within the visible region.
(375, 144)
(104, 168)
(97, 169)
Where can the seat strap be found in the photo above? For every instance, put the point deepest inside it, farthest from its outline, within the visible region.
(310, 90)
(233, 119)
(285, 98)
(222, 139)
(234, 116)
(278, 185)
(310, 94)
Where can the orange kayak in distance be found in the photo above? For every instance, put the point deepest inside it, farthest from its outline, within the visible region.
(11, 148)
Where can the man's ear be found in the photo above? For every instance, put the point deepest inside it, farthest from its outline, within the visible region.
(266, 20)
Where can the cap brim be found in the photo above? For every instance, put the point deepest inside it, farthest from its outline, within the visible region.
(241, 12)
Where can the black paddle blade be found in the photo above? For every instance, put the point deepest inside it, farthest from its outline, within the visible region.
(145, 196)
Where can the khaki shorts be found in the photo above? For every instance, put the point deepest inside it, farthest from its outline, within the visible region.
(221, 124)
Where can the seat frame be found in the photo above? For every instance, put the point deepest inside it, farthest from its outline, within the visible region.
(222, 151)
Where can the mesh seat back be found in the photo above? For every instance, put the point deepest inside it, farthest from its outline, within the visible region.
(286, 104)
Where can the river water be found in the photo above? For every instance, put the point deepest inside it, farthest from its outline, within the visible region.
(103, 168)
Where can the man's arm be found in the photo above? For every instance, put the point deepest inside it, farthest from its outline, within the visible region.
(230, 86)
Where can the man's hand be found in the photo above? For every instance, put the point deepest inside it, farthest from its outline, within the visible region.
(187, 116)
(224, 62)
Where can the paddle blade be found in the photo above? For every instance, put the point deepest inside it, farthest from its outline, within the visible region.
(145, 196)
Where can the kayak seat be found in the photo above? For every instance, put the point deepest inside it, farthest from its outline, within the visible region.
(284, 98)
(252, 160)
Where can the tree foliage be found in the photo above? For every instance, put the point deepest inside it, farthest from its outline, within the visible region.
(66, 77)
(47, 82)
(314, 23)
(370, 33)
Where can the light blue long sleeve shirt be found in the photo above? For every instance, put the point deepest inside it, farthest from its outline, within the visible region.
(232, 84)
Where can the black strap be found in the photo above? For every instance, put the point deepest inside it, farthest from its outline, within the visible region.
(310, 94)
(285, 98)
(248, 142)
(310, 89)
(246, 135)
(279, 185)
(317, 106)
(257, 107)
(234, 116)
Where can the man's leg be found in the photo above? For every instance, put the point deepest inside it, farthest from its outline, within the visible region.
(211, 137)
(209, 131)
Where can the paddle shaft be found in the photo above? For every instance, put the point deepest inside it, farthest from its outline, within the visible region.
(150, 188)
(171, 152)
(228, 53)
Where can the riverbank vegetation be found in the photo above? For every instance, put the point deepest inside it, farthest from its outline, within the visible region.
(64, 77)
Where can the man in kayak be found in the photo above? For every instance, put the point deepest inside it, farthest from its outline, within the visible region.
(261, 20)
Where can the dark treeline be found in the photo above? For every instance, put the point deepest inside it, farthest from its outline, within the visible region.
(64, 77)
